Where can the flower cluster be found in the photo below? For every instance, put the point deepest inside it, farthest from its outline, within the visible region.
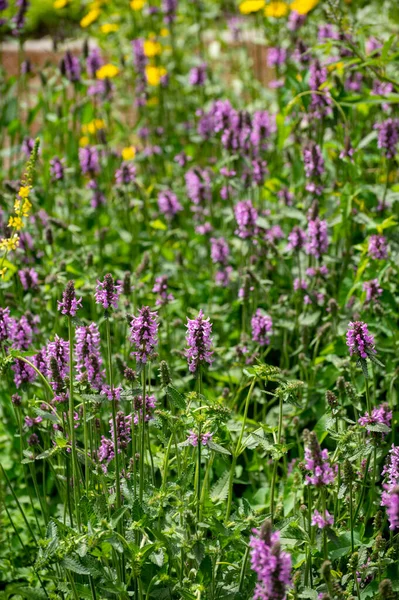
(108, 292)
(69, 304)
(317, 462)
(271, 564)
(359, 341)
(143, 334)
(88, 356)
(199, 342)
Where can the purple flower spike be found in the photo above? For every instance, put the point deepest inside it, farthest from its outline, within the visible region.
(317, 462)
(322, 521)
(392, 504)
(219, 251)
(317, 243)
(150, 404)
(169, 8)
(70, 67)
(108, 292)
(197, 75)
(57, 169)
(199, 342)
(143, 334)
(388, 136)
(161, 288)
(5, 324)
(378, 247)
(168, 204)
(372, 289)
(296, 239)
(261, 328)
(246, 216)
(88, 356)
(359, 341)
(58, 350)
(271, 565)
(125, 174)
(69, 304)
(21, 333)
(89, 160)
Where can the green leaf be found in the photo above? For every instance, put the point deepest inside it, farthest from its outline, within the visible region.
(378, 427)
(30, 593)
(73, 565)
(218, 448)
(220, 490)
(310, 319)
(309, 593)
(175, 397)
(321, 428)
(118, 514)
(158, 224)
(254, 440)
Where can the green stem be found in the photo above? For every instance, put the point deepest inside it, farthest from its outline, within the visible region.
(142, 433)
(274, 477)
(351, 516)
(243, 569)
(237, 451)
(368, 396)
(324, 528)
(75, 467)
(363, 488)
(199, 448)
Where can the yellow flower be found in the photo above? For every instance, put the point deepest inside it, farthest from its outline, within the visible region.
(276, 9)
(90, 18)
(17, 206)
(93, 126)
(99, 124)
(10, 243)
(60, 3)
(84, 141)
(128, 153)
(152, 48)
(16, 222)
(3, 271)
(251, 6)
(164, 32)
(303, 6)
(137, 4)
(24, 191)
(154, 74)
(109, 27)
(107, 71)
(26, 208)
(339, 67)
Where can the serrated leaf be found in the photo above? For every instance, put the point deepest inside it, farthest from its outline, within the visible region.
(378, 427)
(199, 552)
(363, 364)
(310, 319)
(220, 490)
(47, 453)
(31, 593)
(175, 397)
(45, 414)
(218, 448)
(137, 510)
(118, 514)
(254, 440)
(75, 566)
(309, 593)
